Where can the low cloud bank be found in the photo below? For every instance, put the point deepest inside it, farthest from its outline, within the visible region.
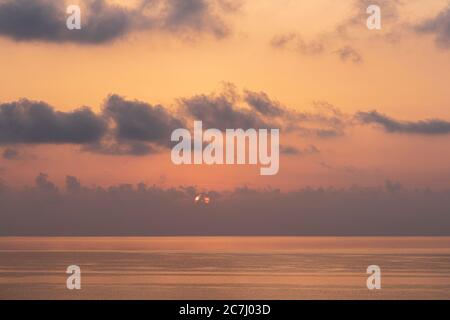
(391, 209)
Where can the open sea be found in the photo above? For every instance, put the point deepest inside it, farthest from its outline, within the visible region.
(225, 267)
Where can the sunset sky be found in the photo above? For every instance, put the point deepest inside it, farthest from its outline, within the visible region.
(290, 50)
(354, 106)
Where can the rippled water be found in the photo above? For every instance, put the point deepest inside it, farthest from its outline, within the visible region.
(225, 267)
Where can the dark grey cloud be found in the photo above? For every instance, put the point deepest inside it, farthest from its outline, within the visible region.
(35, 122)
(140, 121)
(388, 209)
(102, 22)
(221, 112)
(45, 20)
(425, 127)
(197, 15)
(438, 26)
(289, 150)
(347, 53)
(136, 128)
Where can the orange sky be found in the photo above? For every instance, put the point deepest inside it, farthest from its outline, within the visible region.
(407, 80)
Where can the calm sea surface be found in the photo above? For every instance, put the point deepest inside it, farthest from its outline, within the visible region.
(225, 267)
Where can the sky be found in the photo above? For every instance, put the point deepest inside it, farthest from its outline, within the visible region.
(356, 108)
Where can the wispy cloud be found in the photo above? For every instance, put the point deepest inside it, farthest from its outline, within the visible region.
(391, 125)
(439, 26)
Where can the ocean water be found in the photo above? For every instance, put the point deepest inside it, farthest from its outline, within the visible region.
(225, 267)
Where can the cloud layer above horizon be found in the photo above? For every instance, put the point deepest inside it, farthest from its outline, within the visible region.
(139, 210)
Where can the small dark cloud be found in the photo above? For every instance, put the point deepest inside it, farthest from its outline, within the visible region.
(43, 184)
(10, 154)
(28, 121)
(196, 15)
(393, 186)
(73, 184)
(425, 127)
(348, 53)
(325, 165)
(289, 150)
(439, 26)
(295, 42)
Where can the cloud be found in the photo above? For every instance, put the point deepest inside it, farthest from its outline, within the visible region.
(295, 42)
(438, 26)
(348, 53)
(102, 22)
(131, 127)
(324, 121)
(113, 147)
(261, 103)
(140, 121)
(197, 15)
(45, 20)
(393, 186)
(353, 28)
(26, 121)
(289, 150)
(222, 112)
(257, 110)
(73, 184)
(139, 210)
(43, 184)
(424, 127)
(10, 154)
(136, 128)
